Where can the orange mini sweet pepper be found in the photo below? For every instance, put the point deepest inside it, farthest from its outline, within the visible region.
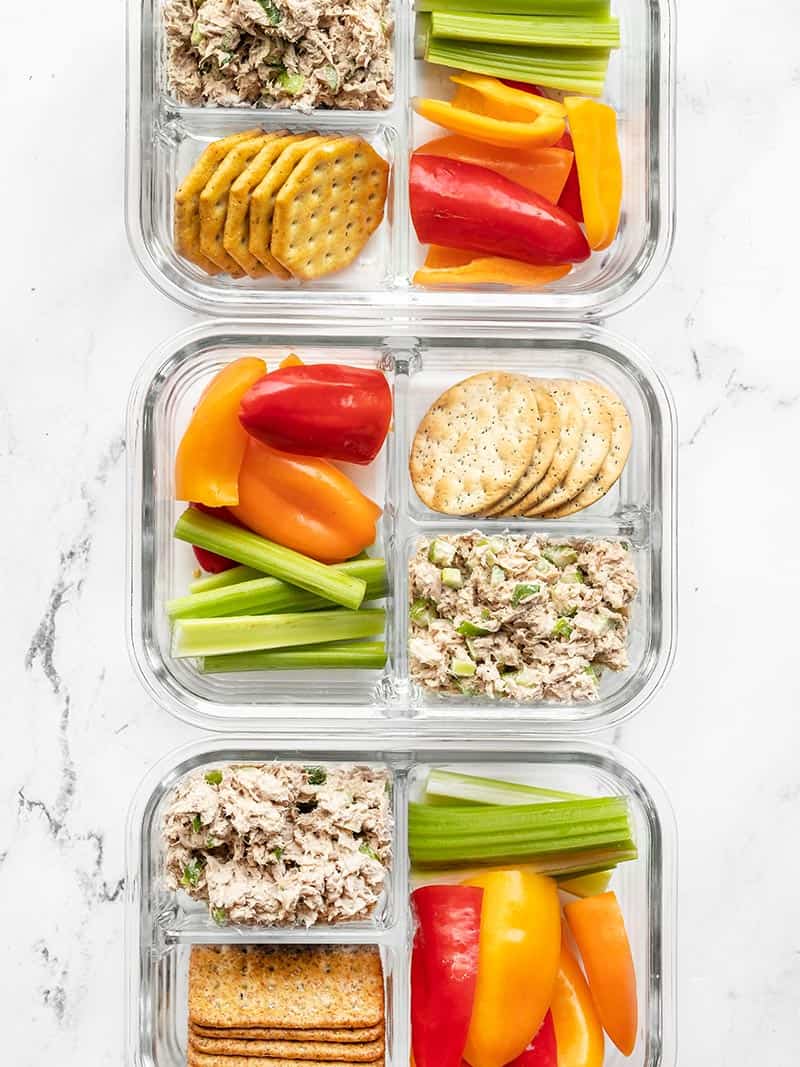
(543, 170)
(518, 959)
(212, 448)
(599, 931)
(491, 97)
(452, 266)
(593, 127)
(540, 131)
(579, 1035)
(303, 503)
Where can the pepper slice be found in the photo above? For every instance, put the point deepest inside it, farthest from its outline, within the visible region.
(212, 448)
(453, 266)
(322, 409)
(542, 170)
(497, 99)
(444, 972)
(544, 131)
(593, 127)
(303, 503)
(461, 205)
(579, 1034)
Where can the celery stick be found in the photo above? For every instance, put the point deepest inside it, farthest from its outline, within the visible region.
(471, 789)
(519, 29)
(265, 596)
(586, 885)
(559, 8)
(225, 578)
(578, 70)
(563, 836)
(245, 547)
(249, 633)
(337, 655)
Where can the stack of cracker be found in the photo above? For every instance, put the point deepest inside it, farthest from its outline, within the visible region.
(285, 1006)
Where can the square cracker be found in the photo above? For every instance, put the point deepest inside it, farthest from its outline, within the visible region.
(329, 207)
(236, 238)
(263, 198)
(293, 987)
(214, 202)
(255, 1033)
(326, 1051)
(198, 1059)
(187, 199)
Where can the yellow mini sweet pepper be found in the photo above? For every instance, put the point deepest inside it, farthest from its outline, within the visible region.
(518, 958)
(594, 138)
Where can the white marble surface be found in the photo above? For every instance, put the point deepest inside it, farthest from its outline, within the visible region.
(723, 735)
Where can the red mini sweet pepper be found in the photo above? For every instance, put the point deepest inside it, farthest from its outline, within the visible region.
(462, 205)
(211, 561)
(444, 972)
(542, 1050)
(323, 410)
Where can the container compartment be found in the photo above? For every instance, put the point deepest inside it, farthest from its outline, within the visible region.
(157, 955)
(164, 137)
(640, 510)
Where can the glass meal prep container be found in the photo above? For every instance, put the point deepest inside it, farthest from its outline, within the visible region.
(160, 927)
(640, 509)
(164, 138)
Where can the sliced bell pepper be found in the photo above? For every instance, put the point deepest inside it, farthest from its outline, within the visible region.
(461, 205)
(303, 503)
(599, 931)
(444, 971)
(579, 1035)
(213, 446)
(542, 1050)
(545, 130)
(517, 964)
(323, 409)
(593, 127)
(542, 170)
(452, 266)
(498, 100)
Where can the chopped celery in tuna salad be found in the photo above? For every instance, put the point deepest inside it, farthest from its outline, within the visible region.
(526, 618)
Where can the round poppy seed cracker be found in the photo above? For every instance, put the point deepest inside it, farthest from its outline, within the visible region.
(475, 443)
(549, 432)
(593, 449)
(613, 464)
(214, 202)
(329, 208)
(264, 196)
(569, 439)
(187, 199)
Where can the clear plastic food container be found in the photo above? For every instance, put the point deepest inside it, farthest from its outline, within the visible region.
(160, 930)
(164, 138)
(640, 509)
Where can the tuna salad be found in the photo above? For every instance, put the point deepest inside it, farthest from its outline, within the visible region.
(526, 618)
(280, 53)
(280, 844)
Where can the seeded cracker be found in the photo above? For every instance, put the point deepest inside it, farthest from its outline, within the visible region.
(187, 199)
(475, 443)
(329, 207)
(613, 464)
(198, 1059)
(326, 1051)
(302, 987)
(549, 431)
(569, 439)
(263, 197)
(593, 449)
(214, 202)
(255, 1033)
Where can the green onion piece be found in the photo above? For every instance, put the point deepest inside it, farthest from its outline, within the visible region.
(470, 629)
(197, 825)
(368, 850)
(472, 789)
(335, 655)
(211, 533)
(316, 775)
(249, 633)
(562, 628)
(520, 29)
(272, 11)
(560, 8)
(219, 915)
(267, 596)
(232, 576)
(422, 612)
(578, 70)
(586, 885)
(214, 777)
(559, 837)
(191, 873)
